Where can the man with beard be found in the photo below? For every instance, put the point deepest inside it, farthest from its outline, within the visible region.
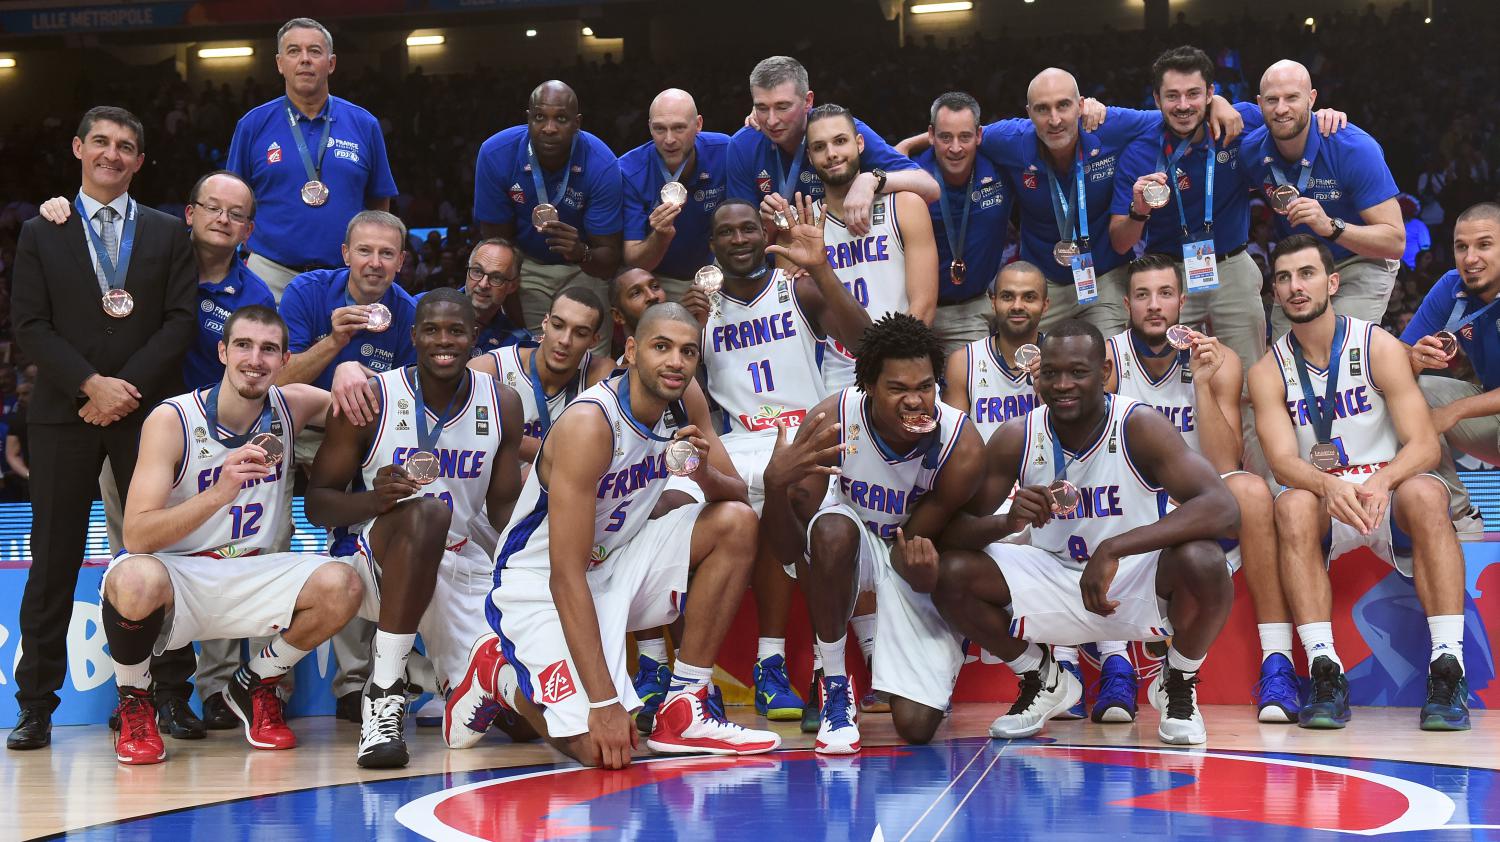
(423, 477)
(572, 580)
(892, 266)
(1338, 188)
(1101, 562)
(209, 491)
(1347, 432)
(1198, 389)
(904, 464)
(631, 294)
(1467, 416)
(984, 378)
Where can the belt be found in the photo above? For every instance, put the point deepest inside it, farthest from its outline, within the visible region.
(1218, 258)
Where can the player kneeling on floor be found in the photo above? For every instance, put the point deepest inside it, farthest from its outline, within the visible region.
(211, 489)
(1094, 472)
(572, 579)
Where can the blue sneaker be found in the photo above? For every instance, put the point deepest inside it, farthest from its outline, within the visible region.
(1328, 699)
(651, 682)
(1118, 690)
(1276, 693)
(1447, 707)
(774, 697)
(1077, 711)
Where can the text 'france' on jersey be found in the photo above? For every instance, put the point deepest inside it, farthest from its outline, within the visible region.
(1362, 429)
(1171, 394)
(996, 391)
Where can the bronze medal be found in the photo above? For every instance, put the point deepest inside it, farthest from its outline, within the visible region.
(1064, 496)
(1281, 197)
(1324, 456)
(378, 318)
(682, 458)
(1448, 341)
(272, 445)
(1064, 252)
(118, 303)
(422, 467)
(543, 214)
(314, 193)
(956, 270)
(1156, 195)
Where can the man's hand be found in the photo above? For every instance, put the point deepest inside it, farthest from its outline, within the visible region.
(1208, 356)
(56, 210)
(563, 240)
(613, 734)
(805, 246)
(792, 462)
(110, 398)
(1031, 506)
(353, 397)
(347, 321)
(1427, 354)
(1138, 192)
(663, 219)
(920, 559)
(693, 435)
(392, 485)
(1224, 123)
(696, 301)
(1093, 113)
(1374, 497)
(857, 203)
(1309, 212)
(1344, 503)
(91, 414)
(1330, 121)
(1098, 575)
(1445, 418)
(246, 463)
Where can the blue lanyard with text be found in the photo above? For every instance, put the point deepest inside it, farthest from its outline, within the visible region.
(1322, 416)
(1065, 215)
(541, 185)
(1303, 174)
(1170, 168)
(314, 172)
(1457, 320)
(113, 272)
(956, 246)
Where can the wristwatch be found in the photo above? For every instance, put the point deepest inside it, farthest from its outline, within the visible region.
(879, 180)
(1338, 229)
(1139, 217)
(586, 252)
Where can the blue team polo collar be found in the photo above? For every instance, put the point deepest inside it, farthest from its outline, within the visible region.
(232, 284)
(1272, 153)
(1036, 159)
(575, 160)
(325, 114)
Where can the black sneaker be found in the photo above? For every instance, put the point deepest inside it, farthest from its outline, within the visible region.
(1447, 707)
(176, 718)
(381, 745)
(217, 716)
(1328, 699)
(812, 711)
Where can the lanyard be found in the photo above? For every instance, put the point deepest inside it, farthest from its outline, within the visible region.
(790, 175)
(1323, 415)
(541, 185)
(1058, 453)
(543, 414)
(1061, 211)
(1458, 320)
(314, 172)
(114, 273)
(1144, 350)
(668, 176)
(956, 246)
(427, 437)
(1304, 171)
(267, 421)
(676, 412)
(1169, 166)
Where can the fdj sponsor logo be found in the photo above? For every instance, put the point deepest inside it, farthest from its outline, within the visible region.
(556, 683)
(770, 417)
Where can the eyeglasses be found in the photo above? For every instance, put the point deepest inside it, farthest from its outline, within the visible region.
(495, 279)
(235, 216)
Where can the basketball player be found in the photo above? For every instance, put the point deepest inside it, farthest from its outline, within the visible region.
(441, 453)
(1101, 569)
(631, 293)
(905, 464)
(982, 378)
(1198, 390)
(207, 493)
(571, 580)
(1347, 431)
(891, 268)
(554, 372)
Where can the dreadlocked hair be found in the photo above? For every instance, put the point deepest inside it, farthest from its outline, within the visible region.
(897, 336)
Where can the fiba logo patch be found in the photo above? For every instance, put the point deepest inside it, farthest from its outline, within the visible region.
(366, 349)
(556, 683)
(207, 306)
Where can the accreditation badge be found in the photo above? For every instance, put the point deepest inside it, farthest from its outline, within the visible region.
(1199, 265)
(1083, 278)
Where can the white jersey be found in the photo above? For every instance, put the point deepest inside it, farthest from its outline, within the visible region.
(626, 492)
(510, 371)
(1171, 394)
(1115, 497)
(251, 523)
(1362, 428)
(881, 486)
(996, 392)
(872, 268)
(466, 448)
(762, 360)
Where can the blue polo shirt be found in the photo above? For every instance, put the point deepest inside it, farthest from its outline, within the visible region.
(1232, 185)
(642, 171)
(1348, 175)
(216, 303)
(1013, 145)
(264, 153)
(989, 220)
(757, 164)
(504, 190)
(308, 303)
(1480, 339)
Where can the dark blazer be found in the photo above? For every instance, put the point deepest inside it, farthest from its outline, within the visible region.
(61, 326)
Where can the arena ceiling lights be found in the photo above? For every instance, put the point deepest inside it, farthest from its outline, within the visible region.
(415, 40)
(226, 52)
(935, 8)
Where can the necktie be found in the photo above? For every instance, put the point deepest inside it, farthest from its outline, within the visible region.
(106, 216)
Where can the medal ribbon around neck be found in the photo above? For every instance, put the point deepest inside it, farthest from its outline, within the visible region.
(268, 420)
(1322, 417)
(114, 272)
(314, 172)
(540, 183)
(676, 413)
(427, 437)
(539, 393)
(1073, 219)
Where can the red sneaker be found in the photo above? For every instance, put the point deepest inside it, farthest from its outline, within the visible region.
(472, 705)
(687, 724)
(139, 743)
(254, 700)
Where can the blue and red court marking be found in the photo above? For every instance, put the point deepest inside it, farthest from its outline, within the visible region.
(962, 789)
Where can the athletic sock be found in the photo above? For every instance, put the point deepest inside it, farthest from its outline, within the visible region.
(1027, 661)
(817, 657)
(770, 647)
(506, 683)
(864, 632)
(1275, 639)
(137, 676)
(277, 659)
(1112, 647)
(833, 656)
(1317, 640)
(655, 649)
(389, 662)
(1068, 654)
(687, 678)
(1183, 664)
(1447, 631)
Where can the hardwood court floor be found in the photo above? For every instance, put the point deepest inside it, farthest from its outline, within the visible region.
(77, 782)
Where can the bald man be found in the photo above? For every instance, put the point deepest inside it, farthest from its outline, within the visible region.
(1344, 192)
(663, 235)
(552, 164)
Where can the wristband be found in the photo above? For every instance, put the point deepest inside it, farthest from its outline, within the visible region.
(612, 700)
(1139, 217)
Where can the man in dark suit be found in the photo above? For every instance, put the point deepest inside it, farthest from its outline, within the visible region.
(104, 305)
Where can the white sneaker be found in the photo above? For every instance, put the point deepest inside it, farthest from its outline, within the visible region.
(1470, 527)
(1177, 699)
(838, 732)
(472, 706)
(381, 745)
(1045, 692)
(687, 724)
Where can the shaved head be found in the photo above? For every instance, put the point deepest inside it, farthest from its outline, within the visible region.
(553, 92)
(666, 312)
(1053, 104)
(673, 102)
(1286, 101)
(1050, 83)
(1286, 73)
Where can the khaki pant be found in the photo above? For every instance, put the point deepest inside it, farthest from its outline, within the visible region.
(541, 282)
(1107, 313)
(1233, 313)
(1365, 285)
(274, 274)
(1477, 437)
(963, 322)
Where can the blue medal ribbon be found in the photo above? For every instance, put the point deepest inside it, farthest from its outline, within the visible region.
(1305, 165)
(1144, 350)
(540, 183)
(1169, 166)
(668, 176)
(1060, 462)
(790, 175)
(539, 393)
(1322, 416)
(267, 421)
(676, 413)
(427, 437)
(314, 171)
(1457, 320)
(1074, 219)
(956, 246)
(114, 272)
